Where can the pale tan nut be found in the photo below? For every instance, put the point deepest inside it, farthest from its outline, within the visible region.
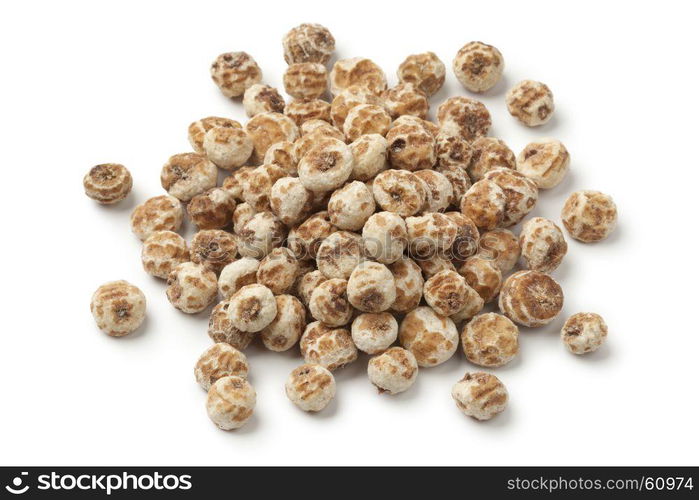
(306, 80)
(434, 265)
(339, 254)
(394, 371)
(329, 347)
(478, 66)
(277, 271)
(221, 328)
(213, 248)
(489, 153)
(162, 251)
(502, 247)
(409, 284)
(426, 71)
(521, 194)
(266, 129)
(234, 182)
(261, 98)
(108, 183)
(315, 137)
(326, 166)
(260, 235)
(186, 175)
(544, 161)
(310, 387)
(212, 209)
(530, 102)
(410, 147)
(584, 332)
(464, 117)
(257, 186)
(191, 287)
(308, 283)
(467, 236)
(543, 245)
(400, 192)
(405, 99)
(446, 292)
(480, 395)
(350, 206)
(252, 308)
(347, 99)
(227, 147)
(385, 237)
(440, 189)
(490, 340)
(371, 287)
(373, 333)
(370, 153)
(366, 119)
(330, 304)
(160, 213)
(432, 338)
(288, 325)
(236, 275)
(531, 298)
(241, 215)
(308, 42)
(118, 308)
(305, 110)
(484, 203)
(290, 200)
(452, 151)
(283, 155)
(459, 181)
(230, 402)
(483, 275)
(430, 235)
(198, 129)
(310, 126)
(220, 360)
(589, 216)
(357, 71)
(474, 304)
(234, 72)
(305, 239)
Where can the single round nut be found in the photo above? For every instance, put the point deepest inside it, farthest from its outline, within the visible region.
(234, 72)
(329, 303)
(252, 308)
(544, 161)
(400, 192)
(521, 194)
(484, 204)
(357, 71)
(502, 247)
(220, 360)
(311, 387)
(307, 285)
(410, 146)
(213, 248)
(329, 347)
(366, 119)
(277, 271)
(430, 235)
(347, 99)
(394, 371)
(452, 151)
(315, 137)
(385, 237)
(543, 245)
(282, 155)
(464, 117)
(262, 233)
(490, 340)
(227, 147)
(432, 338)
(584, 332)
(311, 126)
(531, 298)
(467, 237)
(118, 307)
(261, 98)
(327, 166)
(221, 328)
(530, 102)
(234, 182)
(426, 71)
(160, 213)
(370, 153)
(489, 153)
(480, 395)
(304, 110)
(308, 43)
(230, 402)
(108, 183)
(350, 206)
(446, 292)
(441, 192)
(241, 215)
(266, 129)
(478, 66)
(473, 305)
(339, 254)
(371, 287)
(434, 264)
(191, 287)
(483, 275)
(589, 216)
(458, 180)
(236, 275)
(409, 284)
(373, 333)
(288, 325)
(290, 200)
(405, 99)
(212, 209)
(162, 251)
(186, 175)
(198, 129)
(305, 239)
(306, 80)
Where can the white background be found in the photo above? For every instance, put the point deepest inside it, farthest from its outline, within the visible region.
(89, 82)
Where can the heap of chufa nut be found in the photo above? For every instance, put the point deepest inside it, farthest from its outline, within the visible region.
(353, 223)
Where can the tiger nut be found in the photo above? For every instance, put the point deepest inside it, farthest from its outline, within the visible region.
(288, 325)
(347, 99)
(306, 80)
(308, 43)
(230, 402)
(329, 347)
(502, 247)
(186, 175)
(399, 191)
(441, 192)
(198, 129)
(385, 237)
(371, 287)
(302, 111)
(589, 216)
(327, 166)
(357, 71)
(257, 186)
(426, 71)
(409, 284)
(162, 251)
(283, 155)
(490, 340)
(350, 206)
(483, 275)
(405, 99)
(290, 200)
(489, 153)
(530, 102)
(431, 338)
(311, 387)
(305, 238)
(219, 360)
(160, 213)
(221, 328)
(252, 308)
(366, 119)
(464, 117)
(452, 151)
(467, 236)
(484, 203)
(584, 332)
(236, 275)
(329, 303)
(339, 254)
(212, 209)
(446, 292)
(521, 193)
(373, 333)
(410, 146)
(227, 148)
(478, 66)
(543, 245)
(544, 161)
(394, 371)
(430, 234)
(213, 248)
(531, 298)
(118, 308)
(266, 129)
(261, 98)
(480, 395)
(191, 287)
(108, 183)
(262, 233)
(234, 72)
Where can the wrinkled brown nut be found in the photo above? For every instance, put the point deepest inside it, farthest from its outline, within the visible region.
(410, 146)
(305, 110)
(473, 305)
(543, 245)
(288, 325)
(234, 182)
(370, 153)
(350, 206)
(308, 43)
(305, 238)
(278, 271)
(441, 192)
(584, 332)
(426, 71)
(446, 292)
(409, 284)
(257, 186)
(464, 117)
(230, 402)
(186, 175)
(433, 265)
(326, 166)
(489, 153)
(544, 161)
(329, 347)
(222, 330)
(162, 251)
(371, 287)
(213, 248)
(310, 387)
(108, 183)
(366, 119)
(311, 126)
(531, 298)
(329, 303)
(478, 66)
(191, 287)
(241, 215)
(589, 216)
(530, 102)
(118, 308)
(484, 204)
(490, 340)
(394, 371)
(227, 147)
(400, 192)
(432, 338)
(459, 181)
(500, 246)
(260, 98)
(219, 360)
(262, 233)
(212, 209)
(405, 99)
(339, 254)
(234, 72)
(373, 333)
(347, 99)
(357, 71)
(306, 80)
(480, 395)
(483, 276)
(385, 237)
(452, 151)
(430, 234)
(198, 129)
(521, 194)
(467, 236)
(290, 200)
(252, 308)
(236, 275)
(315, 137)
(160, 213)
(266, 129)
(307, 284)
(283, 155)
